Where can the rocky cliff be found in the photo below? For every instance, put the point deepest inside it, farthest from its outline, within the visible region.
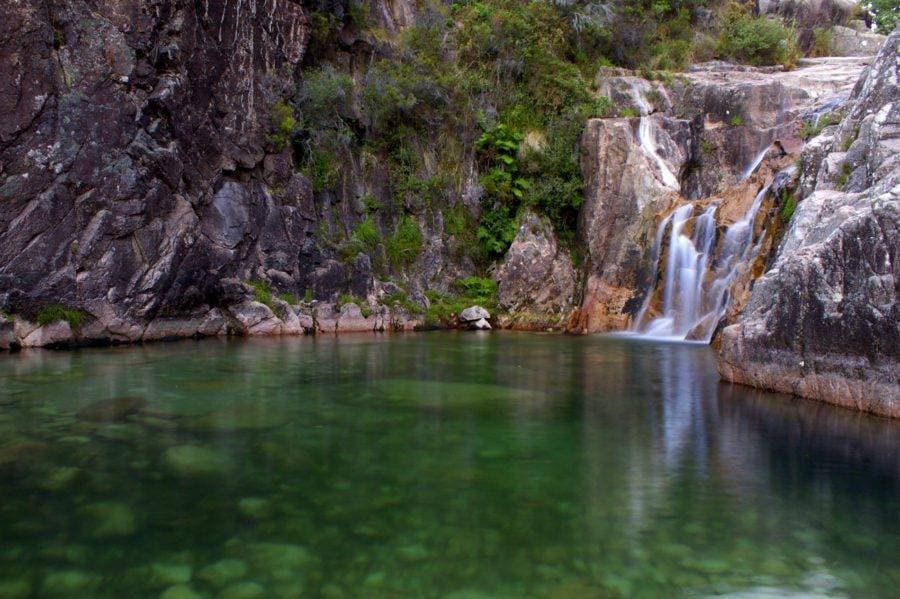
(822, 322)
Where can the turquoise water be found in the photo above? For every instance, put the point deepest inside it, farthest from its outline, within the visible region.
(432, 465)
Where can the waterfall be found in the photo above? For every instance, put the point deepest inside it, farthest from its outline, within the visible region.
(648, 145)
(695, 286)
(756, 162)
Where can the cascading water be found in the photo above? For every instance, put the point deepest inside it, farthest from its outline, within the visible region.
(648, 145)
(695, 290)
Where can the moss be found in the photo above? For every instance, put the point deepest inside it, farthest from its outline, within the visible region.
(788, 205)
(706, 147)
(57, 312)
(736, 120)
(289, 298)
(628, 112)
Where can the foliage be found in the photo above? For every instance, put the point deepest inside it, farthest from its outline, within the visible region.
(757, 40)
(405, 244)
(736, 120)
(885, 14)
(469, 291)
(262, 293)
(812, 128)
(283, 125)
(56, 312)
(399, 298)
(289, 298)
(821, 42)
(364, 307)
(325, 97)
(788, 205)
(846, 169)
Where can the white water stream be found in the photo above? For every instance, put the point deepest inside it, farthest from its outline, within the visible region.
(696, 284)
(648, 145)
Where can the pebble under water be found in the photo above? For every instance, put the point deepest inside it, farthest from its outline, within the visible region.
(432, 465)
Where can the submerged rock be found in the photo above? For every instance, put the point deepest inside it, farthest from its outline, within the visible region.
(72, 583)
(194, 460)
(279, 561)
(164, 575)
(244, 590)
(241, 417)
(256, 508)
(223, 572)
(110, 519)
(112, 410)
(15, 589)
(180, 591)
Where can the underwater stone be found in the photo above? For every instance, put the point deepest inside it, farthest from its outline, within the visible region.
(244, 590)
(69, 582)
(15, 589)
(255, 508)
(59, 478)
(111, 519)
(162, 575)
(194, 460)
(116, 409)
(223, 572)
(180, 591)
(279, 561)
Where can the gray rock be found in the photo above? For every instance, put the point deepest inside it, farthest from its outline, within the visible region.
(110, 519)
(822, 321)
(473, 314)
(481, 325)
(852, 42)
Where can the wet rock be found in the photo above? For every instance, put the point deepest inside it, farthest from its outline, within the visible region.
(116, 409)
(223, 572)
(473, 314)
(480, 325)
(191, 461)
(244, 590)
(71, 583)
(110, 519)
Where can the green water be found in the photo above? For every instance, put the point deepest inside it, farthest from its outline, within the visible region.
(432, 465)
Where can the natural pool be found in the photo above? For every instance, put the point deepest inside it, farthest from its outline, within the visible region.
(432, 465)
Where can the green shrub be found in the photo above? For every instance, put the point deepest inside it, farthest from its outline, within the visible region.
(283, 124)
(289, 298)
(57, 312)
(496, 230)
(757, 40)
(262, 293)
(364, 307)
(403, 247)
(846, 169)
(886, 14)
(810, 129)
(399, 298)
(821, 42)
(469, 291)
(628, 112)
(325, 97)
(736, 120)
(323, 169)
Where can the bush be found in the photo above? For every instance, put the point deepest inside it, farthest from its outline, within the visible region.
(788, 205)
(403, 247)
(325, 97)
(757, 40)
(57, 312)
(262, 293)
(283, 124)
(469, 291)
(821, 42)
(885, 14)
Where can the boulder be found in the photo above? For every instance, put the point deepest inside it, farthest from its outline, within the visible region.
(116, 409)
(192, 461)
(481, 325)
(474, 314)
(852, 42)
(536, 274)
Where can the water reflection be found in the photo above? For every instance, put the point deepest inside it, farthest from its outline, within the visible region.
(423, 465)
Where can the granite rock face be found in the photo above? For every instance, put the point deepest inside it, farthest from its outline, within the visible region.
(537, 276)
(822, 322)
(715, 136)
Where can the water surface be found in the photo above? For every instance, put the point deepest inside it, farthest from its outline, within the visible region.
(432, 465)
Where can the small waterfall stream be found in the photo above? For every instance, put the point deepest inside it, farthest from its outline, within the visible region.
(648, 145)
(697, 278)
